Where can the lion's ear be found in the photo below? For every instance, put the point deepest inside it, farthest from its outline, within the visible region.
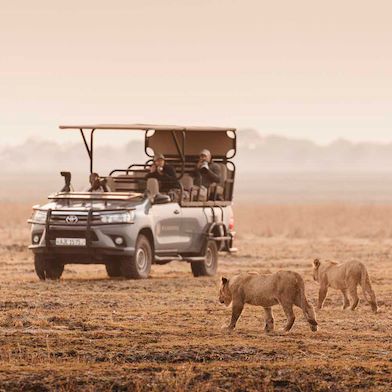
(316, 263)
(224, 280)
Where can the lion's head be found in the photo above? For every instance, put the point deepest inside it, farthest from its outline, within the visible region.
(225, 296)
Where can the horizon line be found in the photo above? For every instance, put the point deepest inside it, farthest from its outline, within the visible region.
(262, 135)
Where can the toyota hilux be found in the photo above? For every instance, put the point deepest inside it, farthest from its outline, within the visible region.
(127, 223)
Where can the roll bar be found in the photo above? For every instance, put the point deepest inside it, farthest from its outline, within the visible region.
(170, 140)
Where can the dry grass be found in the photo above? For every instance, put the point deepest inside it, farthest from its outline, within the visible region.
(88, 332)
(315, 221)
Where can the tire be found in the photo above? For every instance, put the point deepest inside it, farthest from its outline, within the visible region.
(40, 266)
(47, 268)
(209, 266)
(54, 270)
(139, 265)
(113, 269)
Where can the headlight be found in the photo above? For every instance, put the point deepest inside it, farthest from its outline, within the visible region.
(120, 217)
(40, 216)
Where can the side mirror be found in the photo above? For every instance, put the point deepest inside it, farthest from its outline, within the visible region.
(161, 199)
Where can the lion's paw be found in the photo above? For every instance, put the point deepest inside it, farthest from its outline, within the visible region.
(226, 328)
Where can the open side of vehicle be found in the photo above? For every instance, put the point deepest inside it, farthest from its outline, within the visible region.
(130, 224)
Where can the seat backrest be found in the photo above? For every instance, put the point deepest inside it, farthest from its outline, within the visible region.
(187, 182)
(125, 183)
(202, 194)
(152, 187)
(223, 169)
(110, 184)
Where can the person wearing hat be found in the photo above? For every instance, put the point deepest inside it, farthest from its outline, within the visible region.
(206, 171)
(165, 174)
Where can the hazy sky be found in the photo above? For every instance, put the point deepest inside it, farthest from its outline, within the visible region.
(309, 69)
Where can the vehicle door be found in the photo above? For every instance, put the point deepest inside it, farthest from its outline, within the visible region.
(194, 224)
(166, 220)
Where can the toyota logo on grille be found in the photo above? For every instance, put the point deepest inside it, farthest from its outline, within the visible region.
(71, 219)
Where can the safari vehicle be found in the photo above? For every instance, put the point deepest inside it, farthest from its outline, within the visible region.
(131, 225)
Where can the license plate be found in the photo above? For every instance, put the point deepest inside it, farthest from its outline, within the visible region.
(71, 241)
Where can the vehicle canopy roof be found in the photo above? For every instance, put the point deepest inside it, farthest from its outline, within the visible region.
(173, 140)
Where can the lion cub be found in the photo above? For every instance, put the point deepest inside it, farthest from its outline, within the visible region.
(344, 277)
(284, 287)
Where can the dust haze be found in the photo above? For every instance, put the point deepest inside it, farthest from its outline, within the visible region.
(270, 168)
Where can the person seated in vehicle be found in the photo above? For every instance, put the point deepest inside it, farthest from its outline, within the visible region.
(206, 172)
(165, 174)
(96, 184)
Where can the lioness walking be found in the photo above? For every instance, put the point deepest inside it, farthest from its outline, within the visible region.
(344, 277)
(284, 287)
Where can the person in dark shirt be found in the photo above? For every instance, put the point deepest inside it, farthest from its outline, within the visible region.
(97, 184)
(206, 171)
(165, 174)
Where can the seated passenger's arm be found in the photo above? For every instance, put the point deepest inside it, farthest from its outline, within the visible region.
(214, 173)
(169, 176)
(169, 173)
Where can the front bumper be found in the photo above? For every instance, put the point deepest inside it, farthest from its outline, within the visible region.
(99, 237)
(82, 255)
(100, 245)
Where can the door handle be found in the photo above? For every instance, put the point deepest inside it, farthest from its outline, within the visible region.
(176, 212)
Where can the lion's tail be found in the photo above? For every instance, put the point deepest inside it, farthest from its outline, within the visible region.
(305, 306)
(367, 289)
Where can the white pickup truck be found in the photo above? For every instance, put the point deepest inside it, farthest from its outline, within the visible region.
(128, 223)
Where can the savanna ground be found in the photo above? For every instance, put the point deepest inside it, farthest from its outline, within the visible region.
(88, 332)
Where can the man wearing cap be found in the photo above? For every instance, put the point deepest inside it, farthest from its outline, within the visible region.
(206, 171)
(165, 174)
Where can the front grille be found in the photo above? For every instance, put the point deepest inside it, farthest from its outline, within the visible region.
(53, 234)
(60, 217)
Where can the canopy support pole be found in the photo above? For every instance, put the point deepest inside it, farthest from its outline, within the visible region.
(89, 149)
(181, 152)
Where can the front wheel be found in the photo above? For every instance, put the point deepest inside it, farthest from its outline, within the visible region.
(209, 266)
(139, 265)
(113, 269)
(47, 268)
